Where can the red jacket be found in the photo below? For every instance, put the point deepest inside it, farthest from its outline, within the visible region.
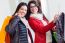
(39, 29)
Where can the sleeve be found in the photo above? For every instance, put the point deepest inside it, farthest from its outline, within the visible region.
(40, 28)
(10, 28)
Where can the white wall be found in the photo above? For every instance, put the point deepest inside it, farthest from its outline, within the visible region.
(55, 6)
(4, 10)
(52, 7)
(13, 4)
(44, 7)
(26, 1)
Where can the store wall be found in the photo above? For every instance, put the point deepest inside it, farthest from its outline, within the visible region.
(4, 10)
(55, 7)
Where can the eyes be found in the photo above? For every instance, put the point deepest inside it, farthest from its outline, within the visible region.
(23, 8)
(32, 6)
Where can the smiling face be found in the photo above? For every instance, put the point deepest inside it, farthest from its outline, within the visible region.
(22, 11)
(33, 8)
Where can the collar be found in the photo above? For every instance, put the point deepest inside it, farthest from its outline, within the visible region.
(37, 16)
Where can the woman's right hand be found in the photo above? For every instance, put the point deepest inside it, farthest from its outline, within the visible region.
(54, 29)
(18, 14)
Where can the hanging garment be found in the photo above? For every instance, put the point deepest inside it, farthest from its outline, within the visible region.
(60, 29)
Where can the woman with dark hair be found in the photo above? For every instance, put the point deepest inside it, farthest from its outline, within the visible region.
(18, 25)
(38, 22)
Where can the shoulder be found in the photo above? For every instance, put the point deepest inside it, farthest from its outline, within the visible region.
(34, 21)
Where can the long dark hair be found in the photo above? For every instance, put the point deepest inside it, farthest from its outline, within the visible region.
(17, 9)
(29, 12)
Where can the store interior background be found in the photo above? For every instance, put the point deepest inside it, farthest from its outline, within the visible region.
(49, 7)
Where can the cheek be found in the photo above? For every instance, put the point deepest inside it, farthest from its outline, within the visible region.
(25, 12)
(36, 9)
(31, 9)
(19, 11)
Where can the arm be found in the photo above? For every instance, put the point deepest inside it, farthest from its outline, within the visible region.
(40, 28)
(10, 28)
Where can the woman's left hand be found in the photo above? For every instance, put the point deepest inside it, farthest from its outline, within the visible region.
(55, 18)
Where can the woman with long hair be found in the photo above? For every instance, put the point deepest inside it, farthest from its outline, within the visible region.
(38, 22)
(18, 25)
